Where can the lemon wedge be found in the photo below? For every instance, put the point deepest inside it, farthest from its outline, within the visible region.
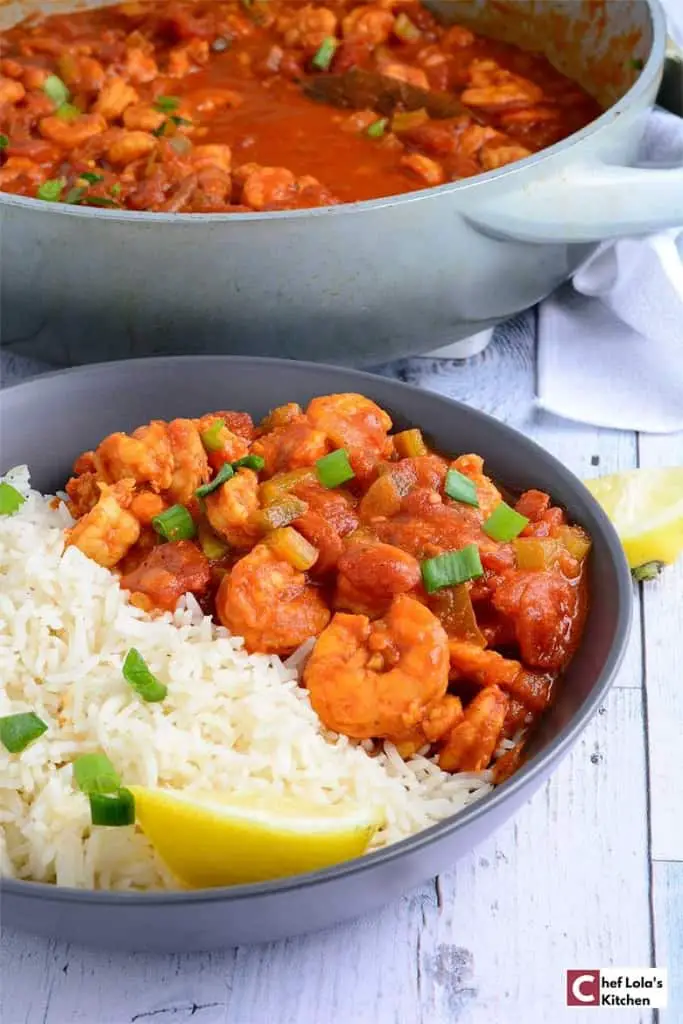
(207, 839)
(646, 508)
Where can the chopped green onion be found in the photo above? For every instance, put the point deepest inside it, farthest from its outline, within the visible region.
(91, 178)
(94, 773)
(100, 201)
(57, 91)
(451, 568)
(637, 64)
(179, 120)
(74, 195)
(51, 190)
(10, 499)
(145, 684)
(377, 129)
(460, 488)
(4, 142)
(223, 474)
(211, 437)
(504, 523)
(115, 190)
(18, 731)
(67, 111)
(334, 469)
(324, 54)
(113, 809)
(166, 104)
(161, 130)
(254, 462)
(175, 523)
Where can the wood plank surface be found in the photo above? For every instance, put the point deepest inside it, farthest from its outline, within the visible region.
(668, 933)
(663, 623)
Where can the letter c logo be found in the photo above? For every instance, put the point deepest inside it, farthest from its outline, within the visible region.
(577, 988)
(583, 988)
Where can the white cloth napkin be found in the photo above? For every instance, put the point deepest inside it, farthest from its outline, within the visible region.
(610, 345)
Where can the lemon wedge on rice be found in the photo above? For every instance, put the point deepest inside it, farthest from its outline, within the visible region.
(208, 839)
(646, 508)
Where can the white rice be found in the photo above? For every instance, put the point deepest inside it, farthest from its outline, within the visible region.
(231, 722)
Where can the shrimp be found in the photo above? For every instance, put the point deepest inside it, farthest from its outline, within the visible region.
(356, 423)
(268, 186)
(492, 157)
(370, 575)
(73, 132)
(270, 604)
(424, 167)
(383, 498)
(84, 493)
(168, 572)
(489, 496)
(143, 117)
(308, 27)
(425, 526)
(495, 88)
(440, 719)
(293, 446)
(330, 516)
(542, 606)
(145, 456)
(487, 668)
(406, 73)
(190, 465)
(368, 24)
(378, 679)
(146, 505)
(230, 507)
(470, 746)
(109, 530)
(116, 95)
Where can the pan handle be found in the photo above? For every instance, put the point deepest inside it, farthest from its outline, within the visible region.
(587, 203)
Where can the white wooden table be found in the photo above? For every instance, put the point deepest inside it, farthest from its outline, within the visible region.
(589, 874)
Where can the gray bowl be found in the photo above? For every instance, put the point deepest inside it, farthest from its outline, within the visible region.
(48, 421)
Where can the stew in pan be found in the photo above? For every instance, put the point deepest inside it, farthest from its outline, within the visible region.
(199, 107)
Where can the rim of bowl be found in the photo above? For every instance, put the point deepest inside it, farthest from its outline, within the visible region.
(555, 750)
(650, 70)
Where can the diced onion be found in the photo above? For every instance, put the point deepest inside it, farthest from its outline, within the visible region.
(409, 444)
(290, 545)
